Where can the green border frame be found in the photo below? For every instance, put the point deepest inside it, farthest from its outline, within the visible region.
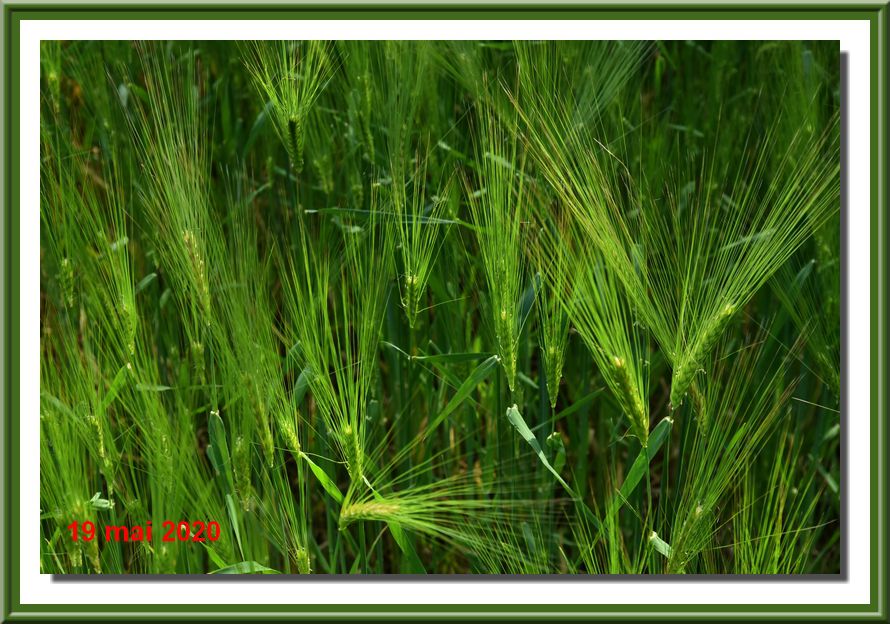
(876, 12)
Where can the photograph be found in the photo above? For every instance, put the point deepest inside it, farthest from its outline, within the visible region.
(441, 307)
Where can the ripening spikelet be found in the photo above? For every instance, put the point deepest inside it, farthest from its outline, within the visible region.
(198, 358)
(353, 451)
(689, 364)
(66, 282)
(411, 299)
(268, 442)
(103, 454)
(698, 404)
(712, 330)
(554, 357)
(554, 322)
(682, 377)
(128, 314)
(369, 510)
(241, 467)
(259, 407)
(505, 333)
(200, 271)
(92, 550)
(100, 438)
(295, 142)
(301, 558)
(289, 432)
(630, 399)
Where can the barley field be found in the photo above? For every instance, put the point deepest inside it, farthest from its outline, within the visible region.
(448, 307)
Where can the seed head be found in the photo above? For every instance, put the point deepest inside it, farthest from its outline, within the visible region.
(352, 449)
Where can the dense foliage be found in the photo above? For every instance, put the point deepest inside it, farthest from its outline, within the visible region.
(442, 307)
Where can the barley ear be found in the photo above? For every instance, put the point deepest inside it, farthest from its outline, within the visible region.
(691, 361)
(630, 400)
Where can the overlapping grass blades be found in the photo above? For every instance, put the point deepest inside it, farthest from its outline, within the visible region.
(335, 297)
(740, 226)
(737, 409)
(695, 250)
(407, 307)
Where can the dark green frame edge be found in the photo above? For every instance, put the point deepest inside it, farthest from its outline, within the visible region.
(878, 15)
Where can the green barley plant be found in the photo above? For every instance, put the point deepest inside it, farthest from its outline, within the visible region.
(551, 257)
(290, 75)
(497, 207)
(176, 193)
(726, 439)
(421, 223)
(747, 233)
(337, 344)
(608, 327)
(441, 307)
